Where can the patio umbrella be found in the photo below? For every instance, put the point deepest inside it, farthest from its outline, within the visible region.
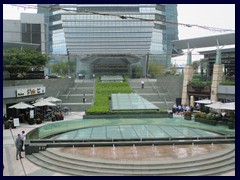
(43, 103)
(52, 99)
(21, 105)
(205, 101)
(220, 105)
(39, 99)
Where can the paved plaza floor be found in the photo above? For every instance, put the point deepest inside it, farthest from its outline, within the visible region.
(24, 167)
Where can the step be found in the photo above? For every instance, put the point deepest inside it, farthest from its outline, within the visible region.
(101, 171)
(140, 166)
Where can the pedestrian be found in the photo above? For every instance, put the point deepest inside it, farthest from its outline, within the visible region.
(18, 147)
(22, 139)
(142, 83)
(84, 98)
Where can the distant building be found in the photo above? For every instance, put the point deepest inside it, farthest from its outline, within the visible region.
(28, 32)
(127, 35)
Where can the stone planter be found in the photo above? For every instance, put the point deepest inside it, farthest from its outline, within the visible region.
(137, 115)
(206, 121)
(31, 121)
(188, 118)
(231, 125)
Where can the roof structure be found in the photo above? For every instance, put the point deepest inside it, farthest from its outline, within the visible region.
(208, 41)
(131, 102)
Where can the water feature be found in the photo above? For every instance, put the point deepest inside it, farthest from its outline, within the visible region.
(93, 150)
(134, 151)
(114, 152)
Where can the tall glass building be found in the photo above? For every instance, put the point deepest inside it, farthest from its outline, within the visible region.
(110, 38)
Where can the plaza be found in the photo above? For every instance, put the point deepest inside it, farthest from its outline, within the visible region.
(111, 112)
(123, 154)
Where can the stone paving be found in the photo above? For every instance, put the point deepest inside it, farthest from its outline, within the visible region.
(24, 167)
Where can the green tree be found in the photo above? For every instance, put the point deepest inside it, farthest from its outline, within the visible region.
(195, 65)
(155, 69)
(17, 61)
(62, 68)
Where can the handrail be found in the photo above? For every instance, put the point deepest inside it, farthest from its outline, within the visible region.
(75, 86)
(68, 94)
(58, 93)
(166, 104)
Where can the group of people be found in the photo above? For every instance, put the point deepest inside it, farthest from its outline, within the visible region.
(19, 144)
(179, 109)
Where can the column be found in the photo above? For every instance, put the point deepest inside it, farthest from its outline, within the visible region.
(187, 76)
(217, 75)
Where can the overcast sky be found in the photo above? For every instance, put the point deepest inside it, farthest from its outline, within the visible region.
(213, 15)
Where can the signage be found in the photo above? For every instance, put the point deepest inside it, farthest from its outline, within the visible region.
(16, 122)
(31, 114)
(30, 91)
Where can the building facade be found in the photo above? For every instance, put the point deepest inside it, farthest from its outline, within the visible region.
(28, 32)
(98, 37)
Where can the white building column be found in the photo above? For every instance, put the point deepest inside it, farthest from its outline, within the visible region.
(187, 76)
(217, 75)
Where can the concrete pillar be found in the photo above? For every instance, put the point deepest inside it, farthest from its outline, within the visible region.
(216, 79)
(187, 76)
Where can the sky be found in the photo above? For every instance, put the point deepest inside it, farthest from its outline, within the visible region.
(213, 15)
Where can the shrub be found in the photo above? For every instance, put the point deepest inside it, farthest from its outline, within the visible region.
(211, 116)
(198, 115)
(203, 115)
(187, 114)
(104, 91)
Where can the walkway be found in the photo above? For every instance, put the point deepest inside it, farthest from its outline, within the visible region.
(24, 167)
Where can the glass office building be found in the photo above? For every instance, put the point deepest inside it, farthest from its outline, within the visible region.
(98, 37)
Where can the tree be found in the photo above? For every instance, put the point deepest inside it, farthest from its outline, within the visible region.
(17, 61)
(195, 65)
(62, 68)
(136, 71)
(155, 69)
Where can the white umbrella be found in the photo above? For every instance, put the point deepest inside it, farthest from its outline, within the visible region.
(44, 103)
(21, 105)
(205, 101)
(39, 99)
(220, 105)
(52, 99)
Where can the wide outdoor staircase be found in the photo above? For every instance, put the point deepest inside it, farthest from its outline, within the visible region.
(153, 93)
(212, 164)
(73, 96)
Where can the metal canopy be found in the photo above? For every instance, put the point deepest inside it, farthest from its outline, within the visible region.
(209, 41)
(131, 102)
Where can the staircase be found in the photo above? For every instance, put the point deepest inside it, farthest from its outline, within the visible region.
(73, 98)
(152, 93)
(216, 163)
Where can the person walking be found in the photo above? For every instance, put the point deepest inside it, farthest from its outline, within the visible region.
(18, 147)
(22, 139)
(142, 83)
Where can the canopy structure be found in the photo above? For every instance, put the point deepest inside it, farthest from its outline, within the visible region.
(21, 105)
(44, 103)
(205, 101)
(220, 105)
(39, 99)
(52, 99)
(131, 102)
(208, 41)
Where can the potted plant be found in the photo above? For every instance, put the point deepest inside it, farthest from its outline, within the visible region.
(38, 120)
(6, 124)
(199, 116)
(231, 120)
(187, 115)
(211, 119)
